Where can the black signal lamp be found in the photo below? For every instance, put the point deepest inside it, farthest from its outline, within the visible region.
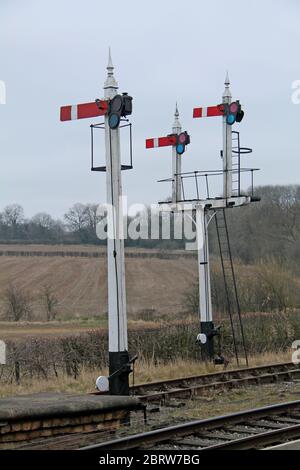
(233, 112)
(119, 106)
(182, 140)
(127, 104)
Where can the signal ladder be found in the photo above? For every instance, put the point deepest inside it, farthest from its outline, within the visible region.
(236, 164)
(231, 294)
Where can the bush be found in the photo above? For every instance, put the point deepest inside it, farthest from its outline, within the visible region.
(18, 303)
(45, 357)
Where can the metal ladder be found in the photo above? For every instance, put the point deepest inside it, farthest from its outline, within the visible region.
(236, 164)
(232, 300)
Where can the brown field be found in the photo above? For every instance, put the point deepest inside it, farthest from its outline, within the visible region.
(13, 330)
(80, 284)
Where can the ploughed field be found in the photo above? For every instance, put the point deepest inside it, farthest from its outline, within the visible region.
(154, 282)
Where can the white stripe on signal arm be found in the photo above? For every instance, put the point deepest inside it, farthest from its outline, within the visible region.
(155, 142)
(204, 112)
(74, 112)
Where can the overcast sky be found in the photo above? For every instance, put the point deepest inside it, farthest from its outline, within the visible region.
(54, 53)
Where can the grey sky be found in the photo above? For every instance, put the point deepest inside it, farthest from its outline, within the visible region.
(55, 52)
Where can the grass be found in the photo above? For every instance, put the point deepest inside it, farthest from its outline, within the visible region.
(66, 327)
(145, 372)
(20, 330)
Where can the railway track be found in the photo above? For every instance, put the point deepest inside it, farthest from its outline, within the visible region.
(166, 393)
(186, 388)
(253, 429)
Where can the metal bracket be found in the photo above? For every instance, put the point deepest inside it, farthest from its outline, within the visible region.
(102, 168)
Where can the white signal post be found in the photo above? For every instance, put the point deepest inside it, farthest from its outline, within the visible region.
(119, 363)
(205, 305)
(176, 161)
(117, 312)
(227, 145)
(178, 140)
(203, 207)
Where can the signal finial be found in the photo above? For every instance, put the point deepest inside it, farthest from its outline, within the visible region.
(227, 92)
(110, 81)
(176, 126)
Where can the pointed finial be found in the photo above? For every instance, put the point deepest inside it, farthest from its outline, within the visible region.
(110, 84)
(110, 66)
(227, 81)
(227, 93)
(176, 125)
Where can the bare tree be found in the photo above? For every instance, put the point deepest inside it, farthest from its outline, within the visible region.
(50, 302)
(92, 217)
(76, 217)
(43, 220)
(18, 303)
(13, 215)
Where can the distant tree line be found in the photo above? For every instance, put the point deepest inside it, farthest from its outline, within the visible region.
(270, 228)
(78, 226)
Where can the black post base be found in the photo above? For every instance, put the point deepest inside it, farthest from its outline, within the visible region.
(207, 349)
(119, 370)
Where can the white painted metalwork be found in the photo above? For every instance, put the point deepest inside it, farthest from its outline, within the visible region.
(227, 145)
(117, 314)
(176, 161)
(205, 308)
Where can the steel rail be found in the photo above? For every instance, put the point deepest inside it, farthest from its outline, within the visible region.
(160, 436)
(187, 387)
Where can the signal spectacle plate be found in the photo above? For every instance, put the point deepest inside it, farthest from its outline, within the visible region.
(234, 107)
(114, 120)
(230, 119)
(182, 138)
(180, 149)
(116, 104)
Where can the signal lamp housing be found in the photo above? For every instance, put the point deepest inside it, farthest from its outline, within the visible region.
(233, 112)
(182, 140)
(119, 106)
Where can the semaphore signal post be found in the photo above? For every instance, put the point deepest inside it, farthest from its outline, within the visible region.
(178, 140)
(113, 107)
(204, 209)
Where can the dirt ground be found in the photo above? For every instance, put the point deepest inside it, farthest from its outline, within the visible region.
(80, 284)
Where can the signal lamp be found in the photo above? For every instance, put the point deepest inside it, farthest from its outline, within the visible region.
(182, 140)
(240, 115)
(233, 113)
(120, 105)
(127, 105)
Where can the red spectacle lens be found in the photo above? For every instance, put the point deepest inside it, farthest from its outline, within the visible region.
(234, 108)
(182, 138)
